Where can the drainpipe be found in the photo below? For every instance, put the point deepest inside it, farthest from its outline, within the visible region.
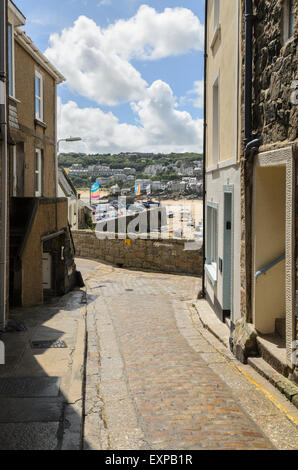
(249, 18)
(251, 148)
(251, 145)
(203, 291)
(56, 149)
(4, 176)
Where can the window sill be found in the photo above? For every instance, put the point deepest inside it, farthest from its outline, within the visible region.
(15, 100)
(216, 36)
(226, 163)
(40, 123)
(211, 168)
(211, 271)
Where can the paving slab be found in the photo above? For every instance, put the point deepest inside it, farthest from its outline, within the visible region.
(29, 436)
(29, 410)
(41, 389)
(160, 384)
(27, 387)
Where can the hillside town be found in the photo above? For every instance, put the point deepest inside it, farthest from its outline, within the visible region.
(177, 177)
(148, 299)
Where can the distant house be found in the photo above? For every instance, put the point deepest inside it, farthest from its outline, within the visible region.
(182, 186)
(115, 190)
(119, 177)
(103, 180)
(174, 186)
(152, 170)
(77, 170)
(130, 171)
(125, 191)
(67, 189)
(156, 185)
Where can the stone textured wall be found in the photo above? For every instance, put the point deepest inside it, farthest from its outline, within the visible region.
(154, 255)
(25, 129)
(275, 68)
(275, 117)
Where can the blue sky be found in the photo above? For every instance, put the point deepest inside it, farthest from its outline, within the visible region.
(134, 70)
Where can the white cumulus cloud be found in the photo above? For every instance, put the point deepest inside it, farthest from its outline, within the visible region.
(198, 91)
(160, 126)
(90, 69)
(152, 35)
(96, 61)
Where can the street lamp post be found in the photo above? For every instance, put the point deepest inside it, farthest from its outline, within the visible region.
(69, 139)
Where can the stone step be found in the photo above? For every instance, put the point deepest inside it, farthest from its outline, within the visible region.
(285, 386)
(280, 327)
(272, 349)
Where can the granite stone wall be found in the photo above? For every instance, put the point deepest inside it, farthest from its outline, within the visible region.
(167, 256)
(275, 117)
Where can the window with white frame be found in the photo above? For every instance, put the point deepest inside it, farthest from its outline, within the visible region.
(38, 96)
(216, 13)
(288, 19)
(10, 49)
(38, 173)
(215, 122)
(212, 240)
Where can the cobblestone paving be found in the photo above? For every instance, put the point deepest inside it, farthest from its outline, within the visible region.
(152, 389)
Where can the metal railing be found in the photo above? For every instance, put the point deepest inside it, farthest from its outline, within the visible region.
(270, 266)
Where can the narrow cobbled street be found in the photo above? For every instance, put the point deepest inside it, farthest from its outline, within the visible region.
(156, 379)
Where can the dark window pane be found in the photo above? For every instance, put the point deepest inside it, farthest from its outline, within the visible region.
(37, 107)
(37, 86)
(36, 182)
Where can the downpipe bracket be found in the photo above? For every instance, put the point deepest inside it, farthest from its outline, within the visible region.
(250, 16)
(252, 147)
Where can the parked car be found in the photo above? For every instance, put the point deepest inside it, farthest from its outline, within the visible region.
(149, 204)
(117, 204)
(191, 223)
(133, 208)
(102, 208)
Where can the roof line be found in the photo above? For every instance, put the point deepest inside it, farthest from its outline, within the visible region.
(13, 5)
(29, 45)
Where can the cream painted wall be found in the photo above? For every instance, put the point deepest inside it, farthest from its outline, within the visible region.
(269, 231)
(223, 62)
(216, 181)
